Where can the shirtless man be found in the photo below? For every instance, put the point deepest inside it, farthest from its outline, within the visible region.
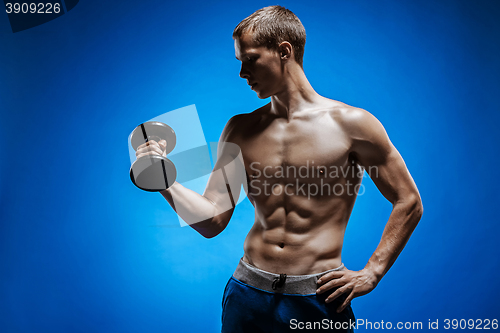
(291, 275)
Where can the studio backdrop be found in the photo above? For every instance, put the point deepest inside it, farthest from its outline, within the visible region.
(84, 250)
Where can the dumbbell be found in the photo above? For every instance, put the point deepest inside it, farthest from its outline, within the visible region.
(152, 172)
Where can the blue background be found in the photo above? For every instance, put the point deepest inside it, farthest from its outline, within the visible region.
(83, 250)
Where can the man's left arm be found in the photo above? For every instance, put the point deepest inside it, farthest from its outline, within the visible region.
(374, 151)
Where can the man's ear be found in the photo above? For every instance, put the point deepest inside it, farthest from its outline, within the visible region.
(286, 51)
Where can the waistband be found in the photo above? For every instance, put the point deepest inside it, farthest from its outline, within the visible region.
(279, 283)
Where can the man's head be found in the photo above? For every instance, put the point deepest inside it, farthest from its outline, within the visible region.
(270, 26)
(264, 42)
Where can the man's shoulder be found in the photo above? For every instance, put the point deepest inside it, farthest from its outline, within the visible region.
(244, 120)
(353, 120)
(345, 113)
(239, 122)
(253, 115)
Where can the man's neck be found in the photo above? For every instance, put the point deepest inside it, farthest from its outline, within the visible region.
(297, 94)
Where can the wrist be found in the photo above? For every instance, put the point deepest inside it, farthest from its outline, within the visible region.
(374, 272)
(167, 192)
(170, 187)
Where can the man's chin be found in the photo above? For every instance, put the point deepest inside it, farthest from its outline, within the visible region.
(262, 95)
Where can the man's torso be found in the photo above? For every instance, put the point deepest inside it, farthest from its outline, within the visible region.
(302, 179)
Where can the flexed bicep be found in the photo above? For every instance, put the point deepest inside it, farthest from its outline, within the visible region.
(228, 175)
(224, 185)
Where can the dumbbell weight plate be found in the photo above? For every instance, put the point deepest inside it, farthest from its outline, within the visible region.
(152, 130)
(153, 173)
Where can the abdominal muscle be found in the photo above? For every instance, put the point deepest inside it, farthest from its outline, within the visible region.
(284, 241)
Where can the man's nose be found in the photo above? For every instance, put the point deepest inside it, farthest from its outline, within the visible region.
(244, 72)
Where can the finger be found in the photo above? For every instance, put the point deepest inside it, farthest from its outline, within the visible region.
(336, 294)
(147, 153)
(147, 144)
(162, 144)
(138, 156)
(331, 284)
(331, 275)
(346, 302)
(145, 150)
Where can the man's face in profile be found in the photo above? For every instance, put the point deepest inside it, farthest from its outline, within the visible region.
(260, 66)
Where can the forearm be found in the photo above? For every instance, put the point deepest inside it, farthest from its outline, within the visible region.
(196, 210)
(402, 221)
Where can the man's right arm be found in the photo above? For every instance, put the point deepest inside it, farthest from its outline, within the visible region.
(210, 213)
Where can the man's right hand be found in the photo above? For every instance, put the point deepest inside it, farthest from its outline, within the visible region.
(152, 148)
